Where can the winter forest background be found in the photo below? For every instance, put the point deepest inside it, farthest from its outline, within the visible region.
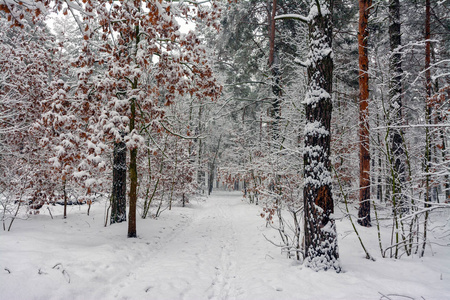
(331, 119)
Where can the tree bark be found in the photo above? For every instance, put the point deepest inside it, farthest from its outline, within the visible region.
(321, 250)
(429, 90)
(211, 178)
(200, 170)
(364, 142)
(427, 117)
(212, 167)
(133, 158)
(395, 97)
(274, 67)
(65, 198)
(118, 198)
(428, 50)
(133, 178)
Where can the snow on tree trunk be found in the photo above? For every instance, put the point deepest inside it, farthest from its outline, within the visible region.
(118, 198)
(321, 249)
(395, 97)
(275, 70)
(427, 117)
(364, 153)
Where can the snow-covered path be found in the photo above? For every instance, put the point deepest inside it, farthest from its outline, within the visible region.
(199, 260)
(208, 250)
(213, 256)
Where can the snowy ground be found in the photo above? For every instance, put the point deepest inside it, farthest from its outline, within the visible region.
(209, 250)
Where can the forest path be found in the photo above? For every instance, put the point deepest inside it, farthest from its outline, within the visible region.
(214, 249)
(205, 259)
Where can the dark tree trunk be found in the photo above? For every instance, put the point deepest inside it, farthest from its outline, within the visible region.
(133, 179)
(65, 199)
(364, 153)
(427, 117)
(133, 159)
(379, 164)
(133, 194)
(444, 155)
(119, 192)
(428, 86)
(212, 167)
(395, 97)
(428, 83)
(274, 66)
(321, 250)
(276, 102)
(200, 171)
(211, 178)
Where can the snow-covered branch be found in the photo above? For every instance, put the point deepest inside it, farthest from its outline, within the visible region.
(292, 17)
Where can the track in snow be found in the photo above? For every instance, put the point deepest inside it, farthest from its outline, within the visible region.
(199, 260)
(213, 250)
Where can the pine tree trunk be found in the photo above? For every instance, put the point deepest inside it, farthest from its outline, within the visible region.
(275, 70)
(395, 97)
(364, 142)
(118, 198)
(321, 250)
(428, 85)
(427, 117)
